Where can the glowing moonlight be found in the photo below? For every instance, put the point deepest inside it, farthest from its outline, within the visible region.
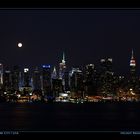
(19, 45)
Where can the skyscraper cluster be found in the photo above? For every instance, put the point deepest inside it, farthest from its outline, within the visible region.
(89, 81)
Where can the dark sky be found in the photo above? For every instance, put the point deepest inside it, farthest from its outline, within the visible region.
(85, 36)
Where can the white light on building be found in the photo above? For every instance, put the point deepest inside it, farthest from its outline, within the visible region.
(26, 69)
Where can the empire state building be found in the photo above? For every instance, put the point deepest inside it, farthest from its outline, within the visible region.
(132, 65)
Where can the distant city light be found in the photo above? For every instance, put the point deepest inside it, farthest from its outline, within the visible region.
(63, 94)
(132, 93)
(110, 59)
(7, 71)
(102, 60)
(46, 66)
(18, 95)
(26, 69)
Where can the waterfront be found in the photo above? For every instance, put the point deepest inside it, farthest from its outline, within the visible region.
(123, 116)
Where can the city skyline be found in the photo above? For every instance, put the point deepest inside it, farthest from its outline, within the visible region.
(86, 36)
(70, 70)
(63, 63)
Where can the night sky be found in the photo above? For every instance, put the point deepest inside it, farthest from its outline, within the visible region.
(85, 36)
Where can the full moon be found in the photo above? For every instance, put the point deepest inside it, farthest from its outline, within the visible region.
(19, 45)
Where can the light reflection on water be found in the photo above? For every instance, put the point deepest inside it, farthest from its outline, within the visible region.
(66, 116)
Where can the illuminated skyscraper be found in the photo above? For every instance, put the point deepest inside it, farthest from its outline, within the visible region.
(54, 74)
(46, 79)
(90, 79)
(106, 66)
(26, 77)
(89, 72)
(1, 74)
(133, 82)
(62, 68)
(27, 89)
(132, 64)
(76, 82)
(105, 82)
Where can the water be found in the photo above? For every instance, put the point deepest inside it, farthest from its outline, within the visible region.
(69, 117)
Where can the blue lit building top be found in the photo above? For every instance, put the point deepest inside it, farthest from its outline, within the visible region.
(46, 66)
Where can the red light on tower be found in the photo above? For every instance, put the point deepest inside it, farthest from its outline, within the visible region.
(132, 61)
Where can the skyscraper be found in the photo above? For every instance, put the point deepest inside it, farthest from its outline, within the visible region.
(89, 79)
(132, 64)
(36, 79)
(106, 65)
(67, 80)
(56, 87)
(105, 82)
(76, 82)
(133, 82)
(26, 77)
(1, 73)
(46, 79)
(62, 68)
(54, 74)
(27, 82)
(15, 78)
(7, 82)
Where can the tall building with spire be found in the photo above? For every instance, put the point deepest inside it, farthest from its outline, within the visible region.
(132, 64)
(54, 73)
(62, 68)
(133, 81)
